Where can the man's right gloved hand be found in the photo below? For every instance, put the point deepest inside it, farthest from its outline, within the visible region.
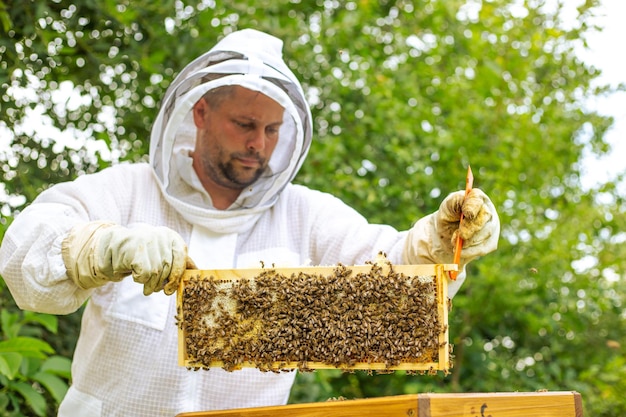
(432, 238)
(481, 226)
(96, 253)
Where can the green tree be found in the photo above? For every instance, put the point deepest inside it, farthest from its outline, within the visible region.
(405, 94)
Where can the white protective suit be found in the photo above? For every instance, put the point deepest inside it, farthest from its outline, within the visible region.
(125, 363)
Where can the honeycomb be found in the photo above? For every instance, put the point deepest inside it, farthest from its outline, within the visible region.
(371, 318)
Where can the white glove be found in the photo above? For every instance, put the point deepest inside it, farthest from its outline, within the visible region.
(480, 229)
(96, 253)
(433, 238)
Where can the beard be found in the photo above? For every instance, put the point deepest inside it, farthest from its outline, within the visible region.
(226, 173)
(233, 176)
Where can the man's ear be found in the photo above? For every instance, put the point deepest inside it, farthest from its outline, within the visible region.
(200, 110)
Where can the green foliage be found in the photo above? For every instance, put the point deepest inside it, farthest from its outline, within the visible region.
(32, 378)
(609, 382)
(405, 94)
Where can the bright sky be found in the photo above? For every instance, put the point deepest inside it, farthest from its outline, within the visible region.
(606, 54)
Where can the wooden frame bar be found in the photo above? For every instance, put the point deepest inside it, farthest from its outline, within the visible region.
(513, 404)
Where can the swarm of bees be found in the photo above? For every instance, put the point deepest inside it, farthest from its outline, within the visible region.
(280, 322)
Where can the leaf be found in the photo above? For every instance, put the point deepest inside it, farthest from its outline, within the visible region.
(4, 401)
(27, 346)
(9, 324)
(48, 321)
(58, 365)
(34, 400)
(30, 366)
(6, 21)
(53, 384)
(10, 363)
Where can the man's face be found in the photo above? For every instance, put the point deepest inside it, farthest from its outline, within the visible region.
(235, 139)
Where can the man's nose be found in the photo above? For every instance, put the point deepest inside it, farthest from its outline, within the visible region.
(256, 140)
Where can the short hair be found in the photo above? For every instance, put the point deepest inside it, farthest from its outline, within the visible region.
(216, 96)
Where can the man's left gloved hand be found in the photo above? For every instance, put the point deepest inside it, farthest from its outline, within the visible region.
(432, 238)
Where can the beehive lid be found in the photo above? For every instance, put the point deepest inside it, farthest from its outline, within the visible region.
(378, 317)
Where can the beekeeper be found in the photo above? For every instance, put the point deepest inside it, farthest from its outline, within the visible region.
(233, 129)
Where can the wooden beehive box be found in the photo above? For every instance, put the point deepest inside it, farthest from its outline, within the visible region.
(378, 317)
(499, 404)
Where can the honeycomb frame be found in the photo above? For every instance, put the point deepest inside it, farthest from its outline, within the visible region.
(375, 317)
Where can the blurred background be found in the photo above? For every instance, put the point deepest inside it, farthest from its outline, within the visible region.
(602, 53)
(404, 94)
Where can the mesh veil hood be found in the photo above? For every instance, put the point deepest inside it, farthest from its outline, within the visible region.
(253, 60)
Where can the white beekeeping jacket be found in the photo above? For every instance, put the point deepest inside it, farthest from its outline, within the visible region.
(125, 363)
